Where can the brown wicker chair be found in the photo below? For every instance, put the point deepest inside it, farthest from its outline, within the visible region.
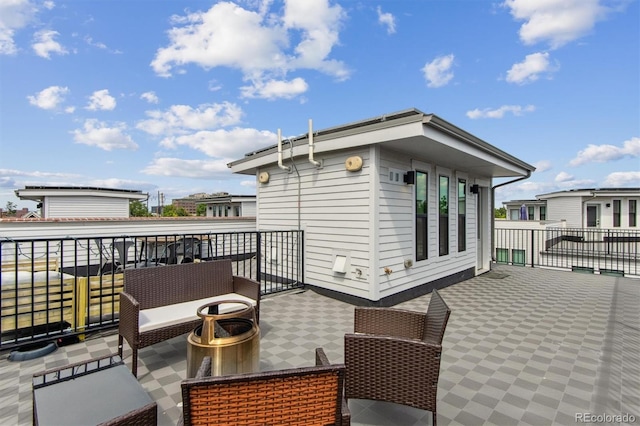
(394, 355)
(298, 396)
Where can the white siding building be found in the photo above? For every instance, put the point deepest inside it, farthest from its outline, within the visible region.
(608, 208)
(391, 207)
(228, 205)
(80, 202)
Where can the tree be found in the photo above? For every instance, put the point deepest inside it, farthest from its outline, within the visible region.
(500, 213)
(11, 209)
(173, 211)
(138, 209)
(201, 210)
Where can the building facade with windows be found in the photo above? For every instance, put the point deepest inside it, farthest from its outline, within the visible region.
(526, 210)
(391, 207)
(227, 205)
(606, 208)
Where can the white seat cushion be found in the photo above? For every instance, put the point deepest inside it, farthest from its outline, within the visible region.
(165, 316)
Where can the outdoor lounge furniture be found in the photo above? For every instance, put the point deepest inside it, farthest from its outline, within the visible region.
(100, 391)
(304, 396)
(161, 303)
(394, 354)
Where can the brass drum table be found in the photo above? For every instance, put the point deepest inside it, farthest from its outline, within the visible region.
(101, 390)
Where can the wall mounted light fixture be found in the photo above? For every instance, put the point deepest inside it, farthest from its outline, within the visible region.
(409, 178)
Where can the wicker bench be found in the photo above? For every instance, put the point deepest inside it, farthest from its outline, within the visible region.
(161, 303)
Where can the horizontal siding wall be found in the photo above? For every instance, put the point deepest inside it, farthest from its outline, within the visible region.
(397, 228)
(334, 207)
(78, 207)
(569, 209)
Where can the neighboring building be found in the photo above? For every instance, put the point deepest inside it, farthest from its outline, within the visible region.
(391, 207)
(190, 203)
(227, 205)
(533, 209)
(23, 212)
(583, 208)
(80, 202)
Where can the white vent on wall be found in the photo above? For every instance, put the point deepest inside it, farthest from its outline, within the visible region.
(340, 264)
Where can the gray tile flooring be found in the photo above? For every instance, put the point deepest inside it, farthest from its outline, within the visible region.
(523, 346)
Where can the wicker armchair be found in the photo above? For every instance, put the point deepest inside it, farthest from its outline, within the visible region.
(394, 355)
(298, 396)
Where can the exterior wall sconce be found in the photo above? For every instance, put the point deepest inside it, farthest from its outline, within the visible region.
(608, 204)
(353, 164)
(474, 189)
(409, 178)
(263, 177)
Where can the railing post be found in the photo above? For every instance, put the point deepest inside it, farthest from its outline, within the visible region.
(259, 256)
(533, 247)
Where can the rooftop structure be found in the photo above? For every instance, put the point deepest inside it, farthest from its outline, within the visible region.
(81, 201)
(391, 206)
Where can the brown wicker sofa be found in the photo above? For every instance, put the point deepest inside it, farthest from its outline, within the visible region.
(303, 396)
(394, 355)
(161, 303)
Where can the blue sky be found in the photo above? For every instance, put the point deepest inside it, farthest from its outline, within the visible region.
(159, 95)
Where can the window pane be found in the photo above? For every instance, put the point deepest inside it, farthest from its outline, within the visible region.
(421, 215)
(443, 208)
(633, 206)
(462, 215)
(616, 213)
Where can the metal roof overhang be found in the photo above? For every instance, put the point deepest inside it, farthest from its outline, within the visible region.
(424, 137)
(38, 193)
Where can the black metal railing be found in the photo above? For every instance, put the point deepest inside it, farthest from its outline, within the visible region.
(64, 288)
(604, 251)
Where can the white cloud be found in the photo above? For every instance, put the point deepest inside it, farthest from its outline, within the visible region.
(606, 153)
(516, 110)
(13, 172)
(101, 100)
(274, 89)
(388, 20)
(556, 22)
(14, 15)
(228, 144)
(197, 169)
(44, 44)
(150, 97)
(182, 119)
(49, 98)
(623, 179)
(438, 72)
(530, 69)
(118, 183)
(542, 166)
(49, 5)
(249, 183)
(97, 133)
(564, 177)
(256, 42)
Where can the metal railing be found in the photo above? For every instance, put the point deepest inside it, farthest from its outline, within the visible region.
(591, 250)
(64, 288)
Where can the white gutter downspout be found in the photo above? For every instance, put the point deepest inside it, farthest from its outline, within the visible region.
(283, 167)
(318, 164)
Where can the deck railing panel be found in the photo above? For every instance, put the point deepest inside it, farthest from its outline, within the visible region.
(67, 287)
(592, 250)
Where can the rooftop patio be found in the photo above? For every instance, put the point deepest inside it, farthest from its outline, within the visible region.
(523, 346)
